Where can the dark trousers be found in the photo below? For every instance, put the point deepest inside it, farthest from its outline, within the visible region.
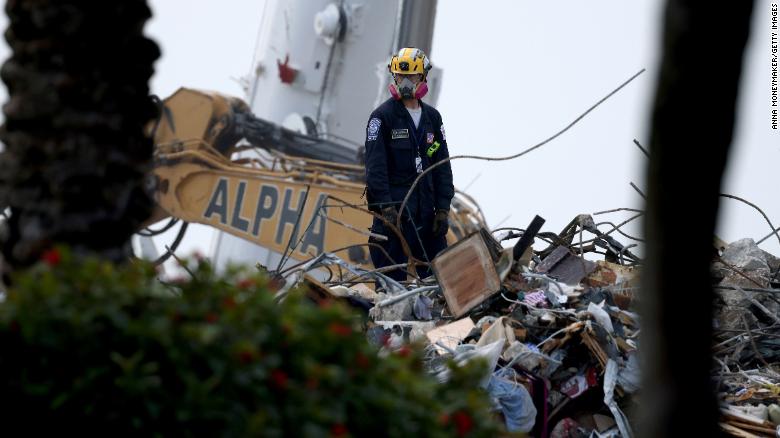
(419, 236)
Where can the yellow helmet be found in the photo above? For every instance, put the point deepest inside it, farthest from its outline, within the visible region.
(410, 60)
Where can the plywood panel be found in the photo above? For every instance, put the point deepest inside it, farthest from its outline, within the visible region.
(466, 274)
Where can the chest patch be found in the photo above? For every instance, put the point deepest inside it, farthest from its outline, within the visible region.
(429, 139)
(399, 133)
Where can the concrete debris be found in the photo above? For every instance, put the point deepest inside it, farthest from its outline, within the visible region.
(363, 291)
(745, 255)
(560, 329)
(746, 343)
(448, 336)
(401, 310)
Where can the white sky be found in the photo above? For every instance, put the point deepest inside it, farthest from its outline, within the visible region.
(515, 72)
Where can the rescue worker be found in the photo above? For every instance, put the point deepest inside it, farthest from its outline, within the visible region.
(405, 136)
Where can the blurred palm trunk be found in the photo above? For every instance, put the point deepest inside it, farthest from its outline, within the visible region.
(692, 127)
(75, 150)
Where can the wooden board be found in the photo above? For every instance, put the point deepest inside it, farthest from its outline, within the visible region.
(466, 274)
(734, 431)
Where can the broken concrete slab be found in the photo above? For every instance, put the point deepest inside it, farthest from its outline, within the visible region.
(450, 335)
(399, 311)
(745, 254)
(363, 291)
(741, 259)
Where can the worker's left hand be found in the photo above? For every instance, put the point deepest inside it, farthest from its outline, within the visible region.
(440, 223)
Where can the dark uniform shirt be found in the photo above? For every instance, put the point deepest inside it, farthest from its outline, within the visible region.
(393, 146)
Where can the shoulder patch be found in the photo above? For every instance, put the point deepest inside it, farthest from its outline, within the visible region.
(443, 134)
(373, 129)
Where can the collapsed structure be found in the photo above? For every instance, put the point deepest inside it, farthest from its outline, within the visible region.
(560, 331)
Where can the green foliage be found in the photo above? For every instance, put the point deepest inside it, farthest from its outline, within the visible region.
(110, 350)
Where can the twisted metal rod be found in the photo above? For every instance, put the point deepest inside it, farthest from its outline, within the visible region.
(519, 154)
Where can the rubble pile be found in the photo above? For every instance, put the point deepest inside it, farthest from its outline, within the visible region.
(559, 331)
(747, 338)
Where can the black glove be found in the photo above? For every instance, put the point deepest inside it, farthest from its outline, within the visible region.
(390, 214)
(440, 223)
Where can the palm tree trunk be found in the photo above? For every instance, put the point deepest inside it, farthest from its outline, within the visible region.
(76, 153)
(692, 127)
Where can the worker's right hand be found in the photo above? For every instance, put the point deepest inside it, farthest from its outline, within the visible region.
(390, 214)
(441, 223)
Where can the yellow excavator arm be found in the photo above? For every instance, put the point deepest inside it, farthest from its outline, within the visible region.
(219, 165)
